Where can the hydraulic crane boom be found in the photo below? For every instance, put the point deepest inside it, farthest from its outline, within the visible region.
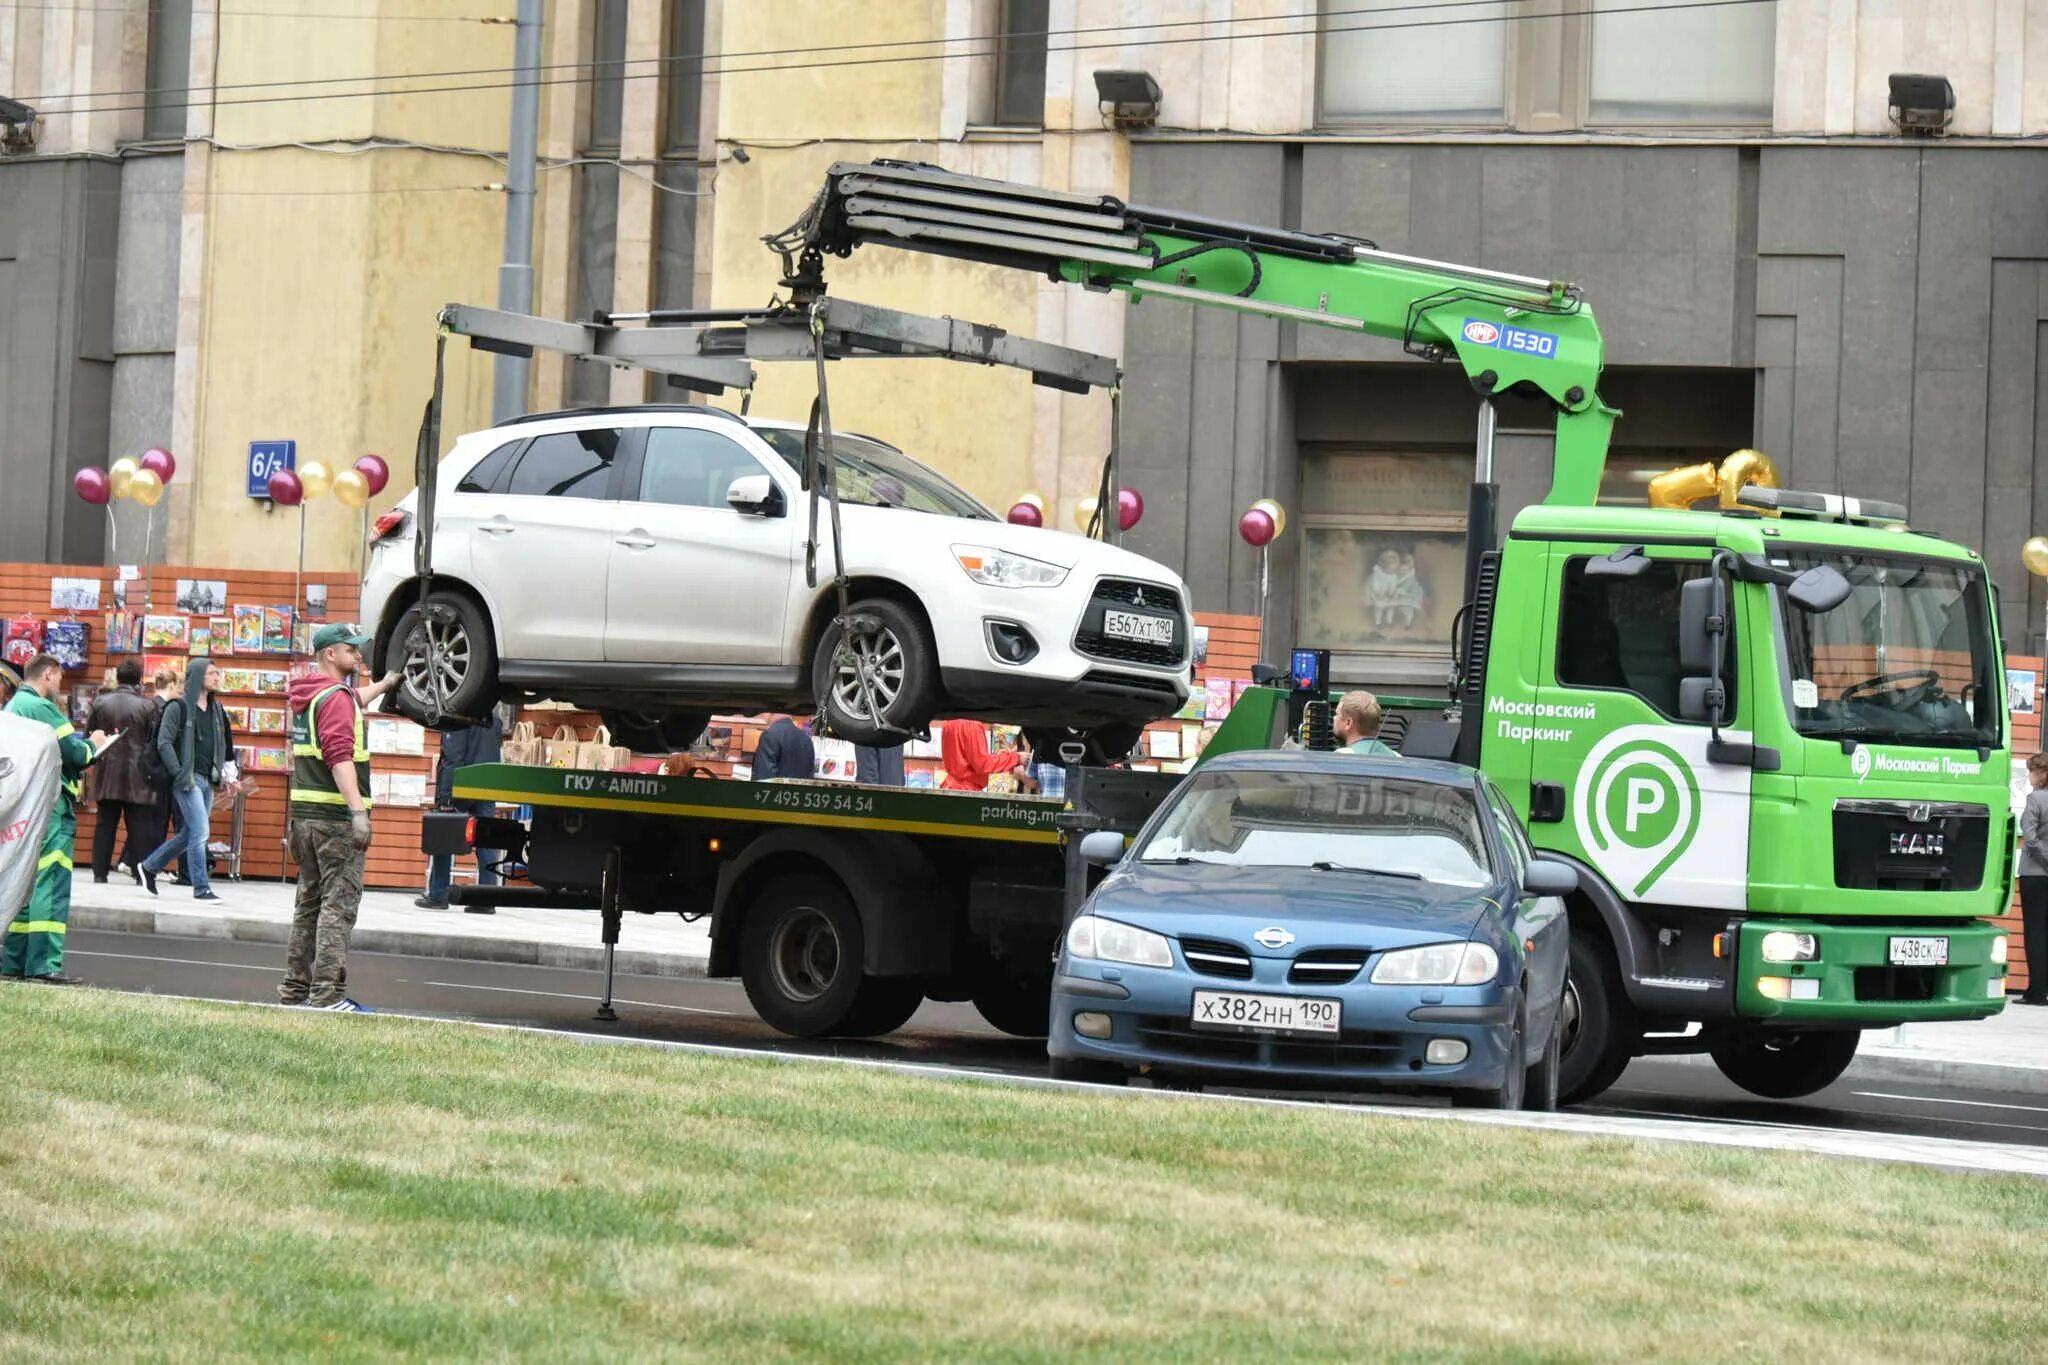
(1509, 332)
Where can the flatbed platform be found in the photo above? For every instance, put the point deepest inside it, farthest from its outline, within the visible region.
(840, 805)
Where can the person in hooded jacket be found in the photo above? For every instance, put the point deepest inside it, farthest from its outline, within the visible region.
(197, 747)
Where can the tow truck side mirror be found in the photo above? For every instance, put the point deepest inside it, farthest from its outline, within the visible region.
(1702, 625)
(1102, 848)
(753, 495)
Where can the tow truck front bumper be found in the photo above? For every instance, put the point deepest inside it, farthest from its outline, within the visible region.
(1854, 977)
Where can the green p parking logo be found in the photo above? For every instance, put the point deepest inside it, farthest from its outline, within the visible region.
(1636, 804)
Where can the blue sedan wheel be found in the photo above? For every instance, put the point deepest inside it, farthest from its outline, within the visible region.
(1513, 1082)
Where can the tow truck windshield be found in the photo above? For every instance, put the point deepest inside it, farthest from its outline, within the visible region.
(1909, 658)
(870, 474)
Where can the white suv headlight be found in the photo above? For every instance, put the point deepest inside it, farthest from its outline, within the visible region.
(1002, 569)
(1105, 940)
(1439, 964)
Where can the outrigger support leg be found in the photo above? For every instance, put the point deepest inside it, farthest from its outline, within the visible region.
(608, 907)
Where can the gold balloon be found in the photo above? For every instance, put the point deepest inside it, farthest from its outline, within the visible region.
(351, 489)
(1031, 496)
(145, 487)
(2034, 554)
(1272, 508)
(1084, 512)
(120, 473)
(315, 479)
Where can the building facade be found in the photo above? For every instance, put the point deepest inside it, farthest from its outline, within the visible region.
(236, 227)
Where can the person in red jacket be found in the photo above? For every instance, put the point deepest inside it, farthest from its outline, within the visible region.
(963, 744)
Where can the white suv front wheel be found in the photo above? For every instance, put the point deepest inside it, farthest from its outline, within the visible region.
(878, 679)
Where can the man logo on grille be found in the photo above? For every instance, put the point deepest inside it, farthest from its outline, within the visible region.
(1637, 807)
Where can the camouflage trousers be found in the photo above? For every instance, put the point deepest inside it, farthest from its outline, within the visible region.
(330, 891)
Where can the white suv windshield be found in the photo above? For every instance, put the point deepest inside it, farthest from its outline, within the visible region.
(870, 474)
(1395, 825)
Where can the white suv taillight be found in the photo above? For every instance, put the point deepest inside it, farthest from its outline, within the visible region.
(388, 525)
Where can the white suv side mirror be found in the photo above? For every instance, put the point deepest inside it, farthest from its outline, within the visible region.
(752, 494)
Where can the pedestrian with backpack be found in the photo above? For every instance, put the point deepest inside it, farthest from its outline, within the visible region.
(121, 792)
(197, 746)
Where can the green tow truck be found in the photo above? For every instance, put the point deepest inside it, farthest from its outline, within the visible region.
(1772, 735)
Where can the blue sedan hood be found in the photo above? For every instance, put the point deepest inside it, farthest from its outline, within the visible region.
(1321, 909)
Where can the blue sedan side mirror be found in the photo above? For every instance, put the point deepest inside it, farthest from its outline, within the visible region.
(1548, 877)
(1106, 846)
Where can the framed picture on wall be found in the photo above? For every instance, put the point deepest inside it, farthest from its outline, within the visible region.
(2021, 687)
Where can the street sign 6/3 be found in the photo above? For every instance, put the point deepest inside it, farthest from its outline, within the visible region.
(265, 459)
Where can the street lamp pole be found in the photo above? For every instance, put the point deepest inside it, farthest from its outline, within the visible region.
(515, 275)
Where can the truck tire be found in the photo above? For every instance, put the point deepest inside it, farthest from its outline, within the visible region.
(1015, 996)
(1785, 1065)
(892, 644)
(884, 1005)
(1597, 1023)
(800, 958)
(466, 658)
(1089, 1071)
(1514, 1080)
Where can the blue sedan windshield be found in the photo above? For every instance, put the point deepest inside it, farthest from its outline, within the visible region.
(1294, 819)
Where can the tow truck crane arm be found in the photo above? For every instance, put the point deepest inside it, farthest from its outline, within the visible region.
(1509, 332)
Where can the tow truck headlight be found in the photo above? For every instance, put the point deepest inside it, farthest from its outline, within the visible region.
(1781, 945)
(1998, 950)
(1002, 569)
(1105, 940)
(1439, 964)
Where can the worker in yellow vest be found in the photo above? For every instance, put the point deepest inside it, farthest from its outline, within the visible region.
(35, 940)
(329, 830)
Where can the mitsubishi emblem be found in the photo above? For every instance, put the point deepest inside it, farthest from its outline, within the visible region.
(1138, 598)
(1273, 936)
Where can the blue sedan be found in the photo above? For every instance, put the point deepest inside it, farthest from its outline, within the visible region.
(1329, 920)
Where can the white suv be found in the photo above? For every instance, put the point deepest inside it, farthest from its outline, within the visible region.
(650, 563)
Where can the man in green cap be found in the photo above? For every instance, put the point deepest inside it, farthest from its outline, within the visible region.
(35, 941)
(329, 832)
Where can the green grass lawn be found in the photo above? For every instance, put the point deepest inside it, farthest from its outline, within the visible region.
(208, 1181)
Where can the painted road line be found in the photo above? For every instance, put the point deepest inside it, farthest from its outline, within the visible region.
(273, 968)
(584, 996)
(1931, 1099)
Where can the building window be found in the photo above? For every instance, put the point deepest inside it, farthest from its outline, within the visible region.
(1655, 64)
(1020, 63)
(170, 69)
(1391, 61)
(607, 77)
(1383, 553)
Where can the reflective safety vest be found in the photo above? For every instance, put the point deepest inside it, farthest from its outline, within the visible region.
(314, 793)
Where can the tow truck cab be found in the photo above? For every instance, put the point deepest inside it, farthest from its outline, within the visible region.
(1829, 851)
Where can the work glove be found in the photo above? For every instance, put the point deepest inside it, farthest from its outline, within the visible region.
(359, 829)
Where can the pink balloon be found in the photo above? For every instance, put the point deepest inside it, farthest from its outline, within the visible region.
(1024, 514)
(1130, 505)
(159, 462)
(1257, 528)
(285, 490)
(92, 485)
(375, 472)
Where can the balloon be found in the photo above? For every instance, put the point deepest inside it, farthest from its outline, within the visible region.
(119, 473)
(145, 487)
(1031, 496)
(1084, 512)
(1130, 505)
(375, 472)
(284, 488)
(1278, 513)
(1024, 514)
(315, 479)
(92, 485)
(1257, 527)
(160, 462)
(2034, 554)
(351, 489)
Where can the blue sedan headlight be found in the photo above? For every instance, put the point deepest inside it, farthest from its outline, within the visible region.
(1106, 940)
(1439, 964)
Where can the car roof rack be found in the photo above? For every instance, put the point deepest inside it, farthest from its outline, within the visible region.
(618, 410)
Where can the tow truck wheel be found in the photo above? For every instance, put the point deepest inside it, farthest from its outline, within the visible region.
(883, 680)
(1089, 1070)
(885, 1005)
(462, 659)
(1596, 1023)
(1785, 1065)
(800, 958)
(1015, 995)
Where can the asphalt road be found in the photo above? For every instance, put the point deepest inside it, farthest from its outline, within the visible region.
(948, 1035)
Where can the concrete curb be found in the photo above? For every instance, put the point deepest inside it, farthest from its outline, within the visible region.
(416, 942)
(1900, 1066)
